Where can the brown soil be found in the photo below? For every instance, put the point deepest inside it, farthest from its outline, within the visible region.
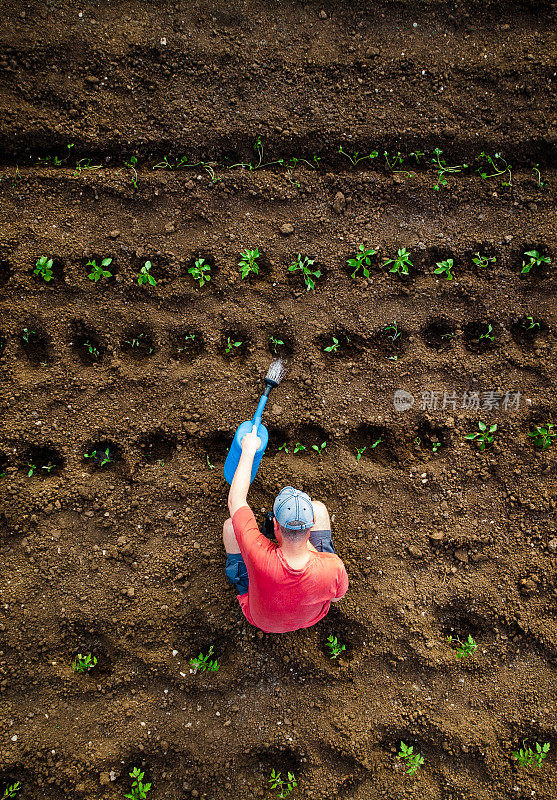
(124, 560)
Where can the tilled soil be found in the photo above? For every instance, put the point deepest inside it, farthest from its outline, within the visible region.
(124, 559)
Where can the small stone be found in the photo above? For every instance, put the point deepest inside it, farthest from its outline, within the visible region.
(437, 536)
(373, 52)
(276, 410)
(104, 778)
(170, 227)
(339, 203)
(91, 79)
(415, 552)
(114, 234)
(552, 544)
(287, 228)
(461, 555)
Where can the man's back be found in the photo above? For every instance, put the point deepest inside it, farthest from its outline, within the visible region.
(281, 598)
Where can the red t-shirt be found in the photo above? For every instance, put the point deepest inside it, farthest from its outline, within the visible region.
(280, 598)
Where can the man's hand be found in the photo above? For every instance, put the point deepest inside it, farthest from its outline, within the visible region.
(238, 494)
(251, 442)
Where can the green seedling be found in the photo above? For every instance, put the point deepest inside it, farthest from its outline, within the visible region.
(248, 262)
(355, 158)
(11, 791)
(275, 343)
(299, 448)
(32, 469)
(144, 275)
(83, 165)
(284, 447)
(417, 156)
(319, 448)
(203, 663)
(484, 436)
(314, 163)
(44, 268)
(448, 335)
(131, 164)
(535, 260)
(443, 169)
(333, 348)
(136, 341)
(84, 663)
(190, 337)
(543, 435)
(391, 331)
(464, 649)
(104, 457)
(56, 161)
(97, 271)
(27, 334)
(435, 446)
(529, 324)
(376, 443)
(335, 649)
(360, 451)
(230, 345)
(526, 757)
(488, 334)
(283, 787)
(395, 161)
(483, 261)
(92, 350)
(541, 184)
(258, 147)
(498, 167)
(139, 789)
(412, 761)
(200, 271)
(304, 264)
(400, 263)
(166, 163)
(293, 182)
(361, 261)
(209, 464)
(48, 467)
(445, 268)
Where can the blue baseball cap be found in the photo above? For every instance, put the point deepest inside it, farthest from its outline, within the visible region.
(293, 509)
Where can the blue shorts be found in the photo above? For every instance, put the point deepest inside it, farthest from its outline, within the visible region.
(237, 572)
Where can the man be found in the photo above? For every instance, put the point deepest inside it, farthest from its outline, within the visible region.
(285, 586)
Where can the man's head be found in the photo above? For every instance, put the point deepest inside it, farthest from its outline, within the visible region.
(294, 513)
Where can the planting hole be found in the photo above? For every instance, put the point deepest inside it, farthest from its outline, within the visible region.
(3, 343)
(5, 272)
(186, 344)
(101, 455)
(90, 269)
(279, 344)
(480, 336)
(35, 344)
(86, 344)
(336, 344)
(138, 343)
(235, 344)
(279, 441)
(158, 446)
(42, 462)
(216, 447)
(439, 333)
(526, 329)
(430, 438)
(378, 442)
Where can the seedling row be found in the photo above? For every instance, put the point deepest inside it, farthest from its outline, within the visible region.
(200, 270)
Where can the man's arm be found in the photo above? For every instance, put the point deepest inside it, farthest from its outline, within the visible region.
(238, 494)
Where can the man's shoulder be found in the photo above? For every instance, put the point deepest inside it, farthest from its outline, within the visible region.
(330, 561)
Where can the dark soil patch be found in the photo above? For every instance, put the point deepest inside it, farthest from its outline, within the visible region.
(480, 337)
(5, 272)
(36, 344)
(138, 343)
(86, 343)
(102, 455)
(378, 441)
(527, 329)
(186, 344)
(42, 461)
(439, 333)
(158, 446)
